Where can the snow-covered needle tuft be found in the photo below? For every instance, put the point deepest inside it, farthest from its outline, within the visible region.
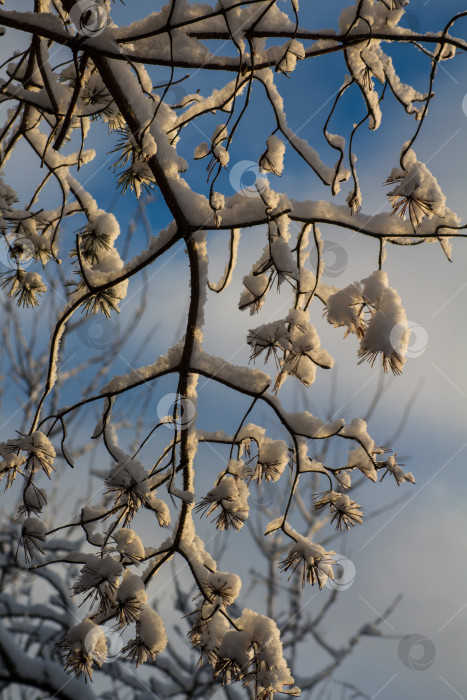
(130, 599)
(23, 286)
(99, 579)
(231, 497)
(416, 192)
(151, 638)
(32, 537)
(345, 512)
(129, 545)
(128, 481)
(222, 587)
(83, 645)
(313, 560)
